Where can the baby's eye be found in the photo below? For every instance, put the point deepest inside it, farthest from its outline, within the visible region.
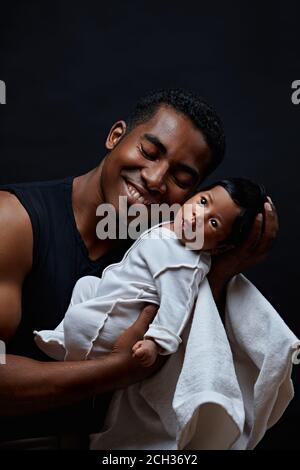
(214, 223)
(203, 201)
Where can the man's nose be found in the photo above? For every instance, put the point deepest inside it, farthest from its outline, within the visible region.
(154, 176)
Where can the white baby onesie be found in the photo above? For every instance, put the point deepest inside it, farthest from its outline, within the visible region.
(157, 269)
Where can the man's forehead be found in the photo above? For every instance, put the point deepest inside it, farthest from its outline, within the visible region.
(169, 123)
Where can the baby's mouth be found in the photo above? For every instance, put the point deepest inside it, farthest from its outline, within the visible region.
(192, 225)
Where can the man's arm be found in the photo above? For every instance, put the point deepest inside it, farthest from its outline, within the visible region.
(28, 386)
(254, 250)
(16, 245)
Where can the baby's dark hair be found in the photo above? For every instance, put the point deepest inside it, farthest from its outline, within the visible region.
(250, 197)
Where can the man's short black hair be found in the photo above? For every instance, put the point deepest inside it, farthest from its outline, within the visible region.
(202, 115)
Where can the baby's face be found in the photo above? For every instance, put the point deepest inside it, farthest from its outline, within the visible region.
(212, 211)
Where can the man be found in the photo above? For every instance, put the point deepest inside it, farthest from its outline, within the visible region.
(168, 145)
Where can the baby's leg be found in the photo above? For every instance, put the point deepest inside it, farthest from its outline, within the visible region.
(85, 289)
(53, 342)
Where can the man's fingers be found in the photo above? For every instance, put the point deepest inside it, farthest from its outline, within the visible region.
(136, 331)
(271, 222)
(145, 318)
(254, 235)
(270, 230)
(272, 204)
(260, 238)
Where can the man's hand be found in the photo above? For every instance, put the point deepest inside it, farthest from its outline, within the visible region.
(132, 370)
(28, 386)
(253, 250)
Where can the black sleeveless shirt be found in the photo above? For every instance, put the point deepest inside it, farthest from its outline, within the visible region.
(60, 258)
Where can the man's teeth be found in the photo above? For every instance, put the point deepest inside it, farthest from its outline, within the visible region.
(134, 193)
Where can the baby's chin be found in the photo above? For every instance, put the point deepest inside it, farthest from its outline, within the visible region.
(197, 245)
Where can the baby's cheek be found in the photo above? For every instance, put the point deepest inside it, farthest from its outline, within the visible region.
(211, 239)
(207, 239)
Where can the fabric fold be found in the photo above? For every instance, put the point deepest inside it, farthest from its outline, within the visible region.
(222, 389)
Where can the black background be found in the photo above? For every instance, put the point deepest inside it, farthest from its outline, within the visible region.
(73, 68)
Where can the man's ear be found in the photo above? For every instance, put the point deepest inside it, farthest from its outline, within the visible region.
(115, 134)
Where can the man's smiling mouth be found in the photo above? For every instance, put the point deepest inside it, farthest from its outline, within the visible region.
(135, 195)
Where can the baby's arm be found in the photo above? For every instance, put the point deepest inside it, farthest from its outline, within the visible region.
(177, 290)
(176, 299)
(177, 273)
(146, 351)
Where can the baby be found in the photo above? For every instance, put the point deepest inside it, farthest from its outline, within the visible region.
(158, 268)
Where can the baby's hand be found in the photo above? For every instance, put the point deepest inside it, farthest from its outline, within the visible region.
(146, 351)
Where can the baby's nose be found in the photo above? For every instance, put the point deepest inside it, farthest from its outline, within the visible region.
(199, 214)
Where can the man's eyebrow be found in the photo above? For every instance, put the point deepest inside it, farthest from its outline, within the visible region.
(212, 201)
(155, 141)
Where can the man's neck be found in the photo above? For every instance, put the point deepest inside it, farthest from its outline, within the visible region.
(86, 197)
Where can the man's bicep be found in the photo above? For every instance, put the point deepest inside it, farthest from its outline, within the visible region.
(10, 308)
(16, 244)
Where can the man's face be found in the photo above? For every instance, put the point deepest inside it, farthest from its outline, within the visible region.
(159, 161)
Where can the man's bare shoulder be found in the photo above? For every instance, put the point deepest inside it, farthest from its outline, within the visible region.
(16, 241)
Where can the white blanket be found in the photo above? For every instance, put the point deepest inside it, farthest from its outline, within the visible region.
(222, 389)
